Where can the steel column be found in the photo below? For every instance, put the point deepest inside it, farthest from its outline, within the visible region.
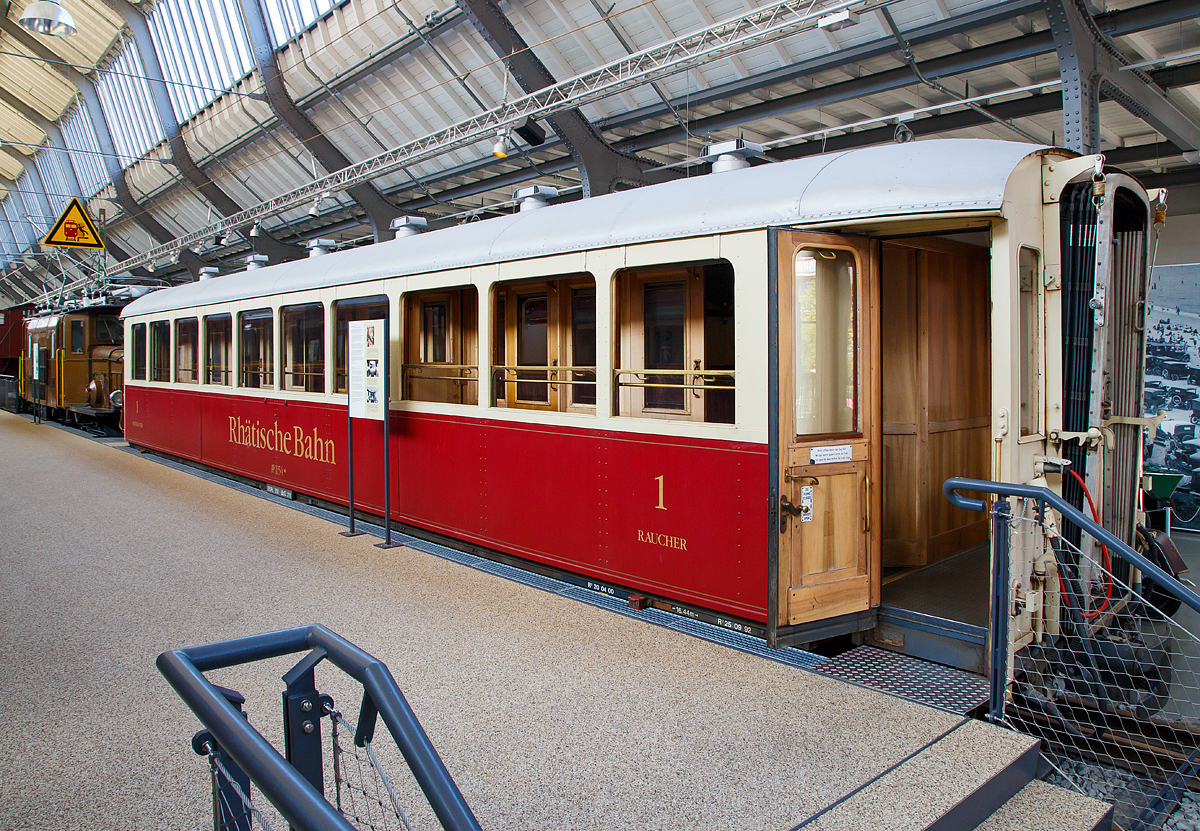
(1088, 61)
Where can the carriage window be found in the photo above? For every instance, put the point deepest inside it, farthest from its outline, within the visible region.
(108, 329)
(304, 348)
(545, 343)
(218, 350)
(676, 342)
(358, 308)
(139, 352)
(187, 343)
(257, 352)
(77, 337)
(1031, 349)
(826, 342)
(441, 346)
(160, 350)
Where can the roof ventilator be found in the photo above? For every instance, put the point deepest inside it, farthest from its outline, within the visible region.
(408, 226)
(731, 155)
(256, 261)
(535, 196)
(317, 247)
(209, 271)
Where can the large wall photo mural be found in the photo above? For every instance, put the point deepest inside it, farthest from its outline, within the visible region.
(1173, 383)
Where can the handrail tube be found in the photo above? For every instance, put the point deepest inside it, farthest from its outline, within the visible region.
(1161, 578)
(186, 666)
(295, 797)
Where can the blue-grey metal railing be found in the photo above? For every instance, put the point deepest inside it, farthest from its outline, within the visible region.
(1092, 656)
(301, 804)
(1068, 511)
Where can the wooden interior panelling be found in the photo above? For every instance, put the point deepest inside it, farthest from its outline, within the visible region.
(936, 382)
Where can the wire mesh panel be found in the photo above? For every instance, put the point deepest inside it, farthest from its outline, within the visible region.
(364, 793)
(1101, 671)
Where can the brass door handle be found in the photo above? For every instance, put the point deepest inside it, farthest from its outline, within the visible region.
(788, 476)
(867, 512)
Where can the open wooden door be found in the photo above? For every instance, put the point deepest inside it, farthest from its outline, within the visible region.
(829, 426)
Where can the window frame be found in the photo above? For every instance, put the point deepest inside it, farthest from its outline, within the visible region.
(180, 322)
(266, 378)
(140, 363)
(630, 284)
(462, 333)
(341, 336)
(559, 290)
(227, 368)
(159, 344)
(314, 380)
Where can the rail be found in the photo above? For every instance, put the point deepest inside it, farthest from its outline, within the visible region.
(293, 793)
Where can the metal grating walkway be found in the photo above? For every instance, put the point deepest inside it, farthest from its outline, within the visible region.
(912, 678)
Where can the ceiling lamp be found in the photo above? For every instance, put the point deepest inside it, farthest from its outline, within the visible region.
(47, 17)
(500, 148)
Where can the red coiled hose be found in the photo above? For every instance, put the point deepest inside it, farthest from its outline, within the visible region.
(1103, 548)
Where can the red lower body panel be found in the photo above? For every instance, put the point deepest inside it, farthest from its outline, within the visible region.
(684, 519)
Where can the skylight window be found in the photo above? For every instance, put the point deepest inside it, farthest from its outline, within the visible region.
(125, 98)
(203, 49)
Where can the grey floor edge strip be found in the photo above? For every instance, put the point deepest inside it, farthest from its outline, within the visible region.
(789, 656)
(878, 776)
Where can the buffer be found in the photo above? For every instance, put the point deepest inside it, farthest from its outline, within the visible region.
(74, 229)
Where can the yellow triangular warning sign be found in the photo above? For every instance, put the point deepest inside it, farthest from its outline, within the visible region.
(74, 229)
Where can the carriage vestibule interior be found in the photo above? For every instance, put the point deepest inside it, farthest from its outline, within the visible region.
(935, 348)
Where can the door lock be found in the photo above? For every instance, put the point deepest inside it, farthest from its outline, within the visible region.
(786, 508)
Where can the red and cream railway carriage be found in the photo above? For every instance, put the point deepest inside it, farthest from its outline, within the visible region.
(737, 394)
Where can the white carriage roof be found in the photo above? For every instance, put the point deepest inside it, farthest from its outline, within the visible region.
(935, 176)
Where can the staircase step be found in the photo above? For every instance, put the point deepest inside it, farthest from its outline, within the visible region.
(1040, 806)
(953, 784)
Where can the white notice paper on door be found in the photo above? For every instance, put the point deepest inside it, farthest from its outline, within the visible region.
(830, 454)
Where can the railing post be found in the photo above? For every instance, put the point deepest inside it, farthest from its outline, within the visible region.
(302, 720)
(1001, 547)
(230, 813)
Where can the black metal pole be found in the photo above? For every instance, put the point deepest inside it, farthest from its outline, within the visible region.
(353, 532)
(349, 443)
(387, 436)
(1000, 567)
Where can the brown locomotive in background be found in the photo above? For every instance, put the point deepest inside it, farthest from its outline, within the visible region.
(71, 365)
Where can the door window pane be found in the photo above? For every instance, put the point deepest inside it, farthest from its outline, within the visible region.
(1031, 345)
(219, 335)
(665, 311)
(532, 347)
(77, 337)
(436, 333)
(187, 340)
(825, 342)
(583, 344)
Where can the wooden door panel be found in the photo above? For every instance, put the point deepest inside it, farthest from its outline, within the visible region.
(826, 547)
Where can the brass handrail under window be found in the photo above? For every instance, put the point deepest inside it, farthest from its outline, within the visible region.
(706, 376)
(578, 370)
(468, 368)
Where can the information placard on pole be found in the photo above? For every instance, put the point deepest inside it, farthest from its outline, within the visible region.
(368, 391)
